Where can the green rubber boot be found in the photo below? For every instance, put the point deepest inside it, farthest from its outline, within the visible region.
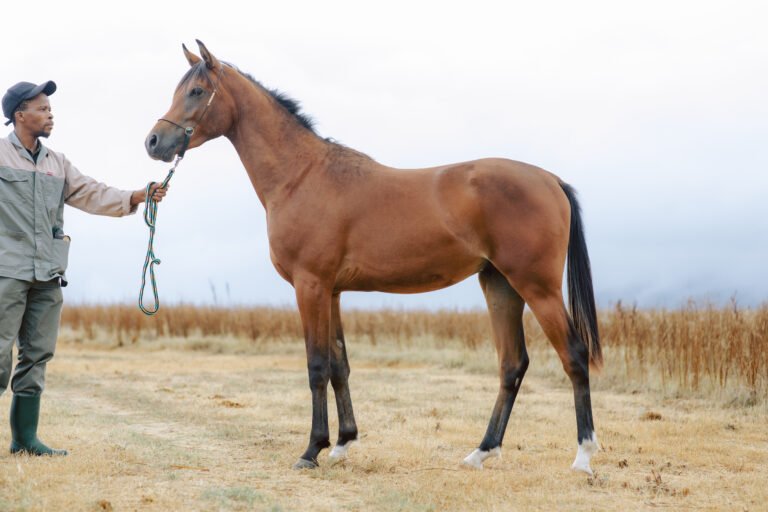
(25, 411)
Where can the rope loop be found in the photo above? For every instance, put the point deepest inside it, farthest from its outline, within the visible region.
(150, 219)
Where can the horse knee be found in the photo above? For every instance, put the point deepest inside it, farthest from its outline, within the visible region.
(339, 374)
(319, 374)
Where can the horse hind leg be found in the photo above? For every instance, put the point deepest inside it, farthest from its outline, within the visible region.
(340, 383)
(549, 310)
(506, 311)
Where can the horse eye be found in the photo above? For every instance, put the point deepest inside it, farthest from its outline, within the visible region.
(197, 91)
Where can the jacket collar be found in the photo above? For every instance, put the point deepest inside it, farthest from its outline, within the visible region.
(24, 152)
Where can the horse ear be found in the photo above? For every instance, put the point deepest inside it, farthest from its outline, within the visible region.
(191, 57)
(210, 61)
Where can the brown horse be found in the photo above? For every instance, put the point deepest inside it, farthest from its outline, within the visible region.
(337, 221)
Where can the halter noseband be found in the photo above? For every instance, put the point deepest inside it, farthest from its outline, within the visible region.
(190, 130)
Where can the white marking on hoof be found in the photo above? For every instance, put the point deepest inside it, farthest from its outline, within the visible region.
(339, 453)
(587, 449)
(476, 458)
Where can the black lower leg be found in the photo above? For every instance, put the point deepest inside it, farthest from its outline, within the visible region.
(318, 383)
(505, 307)
(347, 425)
(340, 378)
(510, 385)
(579, 375)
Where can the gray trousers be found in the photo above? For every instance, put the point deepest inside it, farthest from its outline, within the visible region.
(29, 314)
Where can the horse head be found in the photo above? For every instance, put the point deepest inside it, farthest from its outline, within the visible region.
(201, 109)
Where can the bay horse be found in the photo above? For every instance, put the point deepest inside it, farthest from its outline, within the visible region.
(337, 220)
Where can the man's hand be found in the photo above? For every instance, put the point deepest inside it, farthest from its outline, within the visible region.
(156, 192)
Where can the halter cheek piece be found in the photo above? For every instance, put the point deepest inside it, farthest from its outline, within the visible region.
(190, 130)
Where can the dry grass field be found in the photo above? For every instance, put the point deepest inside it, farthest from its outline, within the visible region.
(212, 416)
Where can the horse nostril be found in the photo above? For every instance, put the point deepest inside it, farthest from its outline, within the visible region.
(152, 141)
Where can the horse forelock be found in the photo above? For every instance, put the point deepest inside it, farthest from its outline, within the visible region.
(196, 71)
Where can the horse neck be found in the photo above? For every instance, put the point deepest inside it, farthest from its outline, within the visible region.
(276, 151)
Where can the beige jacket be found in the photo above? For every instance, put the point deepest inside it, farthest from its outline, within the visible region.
(32, 198)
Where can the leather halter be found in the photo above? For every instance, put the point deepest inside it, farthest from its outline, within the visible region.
(190, 130)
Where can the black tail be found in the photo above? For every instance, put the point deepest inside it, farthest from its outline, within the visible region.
(581, 296)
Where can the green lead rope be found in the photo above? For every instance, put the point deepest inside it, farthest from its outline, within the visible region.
(150, 217)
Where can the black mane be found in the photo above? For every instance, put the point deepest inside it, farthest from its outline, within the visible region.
(291, 105)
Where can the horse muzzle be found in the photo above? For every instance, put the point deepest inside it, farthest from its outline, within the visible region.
(162, 147)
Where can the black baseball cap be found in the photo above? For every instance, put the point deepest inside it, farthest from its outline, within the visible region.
(24, 91)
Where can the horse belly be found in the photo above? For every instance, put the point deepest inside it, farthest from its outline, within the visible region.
(408, 274)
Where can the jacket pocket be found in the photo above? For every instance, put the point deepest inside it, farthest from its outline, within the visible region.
(14, 187)
(59, 256)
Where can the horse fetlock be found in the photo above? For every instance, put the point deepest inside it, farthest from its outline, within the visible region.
(319, 444)
(347, 436)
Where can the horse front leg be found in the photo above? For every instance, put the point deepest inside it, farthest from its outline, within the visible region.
(340, 383)
(314, 301)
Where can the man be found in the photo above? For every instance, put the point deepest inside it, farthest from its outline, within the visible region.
(35, 183)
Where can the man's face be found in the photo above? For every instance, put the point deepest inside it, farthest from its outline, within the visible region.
(37, 117)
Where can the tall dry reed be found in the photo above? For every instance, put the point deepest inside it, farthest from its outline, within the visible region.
(690, 348)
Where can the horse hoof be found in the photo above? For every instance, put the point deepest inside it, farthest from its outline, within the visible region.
(587, 448)
(305, 464)
(583, 468)
(472, 461)
(476, 458)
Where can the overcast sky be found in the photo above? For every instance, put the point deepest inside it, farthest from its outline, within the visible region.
(654, 111)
